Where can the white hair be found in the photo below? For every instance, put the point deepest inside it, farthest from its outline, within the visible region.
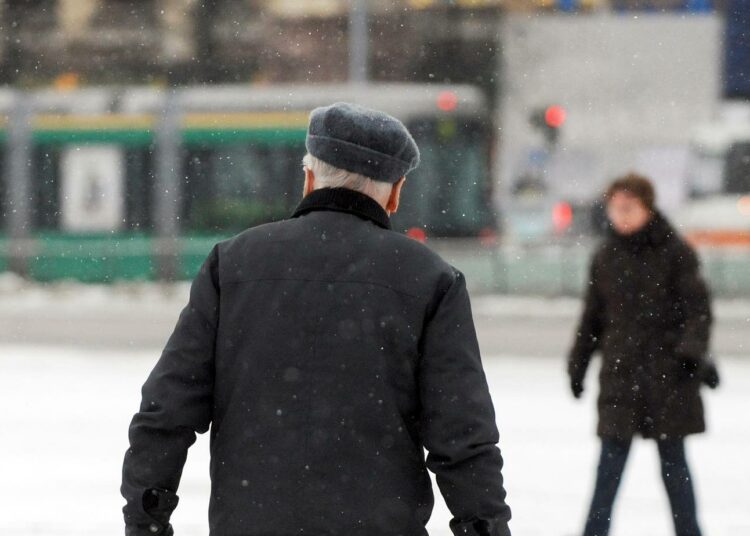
(328, 176)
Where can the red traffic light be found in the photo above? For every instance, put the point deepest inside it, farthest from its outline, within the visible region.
(447, 100)
(554, 115)
(562, 216)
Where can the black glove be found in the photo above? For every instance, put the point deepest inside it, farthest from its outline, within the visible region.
(710, 375)
(576, 386)
(159, 504)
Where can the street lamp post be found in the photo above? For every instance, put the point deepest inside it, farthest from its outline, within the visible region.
(358, 41)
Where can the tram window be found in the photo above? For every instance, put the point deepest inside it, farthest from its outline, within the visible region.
(229, 188)
(284, 162)
(448, 194)
(45, 195)
(139, 186)
(3, 194)
(737, 170)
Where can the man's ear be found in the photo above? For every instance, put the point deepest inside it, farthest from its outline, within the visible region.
(309, 181)
(393, 199)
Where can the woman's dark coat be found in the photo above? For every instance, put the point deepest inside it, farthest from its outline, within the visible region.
(325, 352)
(647, 310)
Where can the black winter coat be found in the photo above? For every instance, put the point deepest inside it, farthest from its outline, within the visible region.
(647, 309)
(324, 351)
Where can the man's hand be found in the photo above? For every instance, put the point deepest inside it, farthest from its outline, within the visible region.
(576, 386)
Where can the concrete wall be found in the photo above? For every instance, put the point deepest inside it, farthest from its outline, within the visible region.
(633, 88)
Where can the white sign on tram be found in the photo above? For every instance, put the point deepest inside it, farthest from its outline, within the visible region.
(92, 189)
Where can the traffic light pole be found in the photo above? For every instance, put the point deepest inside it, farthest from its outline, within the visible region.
(358, 41)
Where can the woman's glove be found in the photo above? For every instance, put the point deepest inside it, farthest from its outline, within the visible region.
(688, 368)
(710, 374)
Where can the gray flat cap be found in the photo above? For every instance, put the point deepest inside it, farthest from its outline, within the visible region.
(361, 140)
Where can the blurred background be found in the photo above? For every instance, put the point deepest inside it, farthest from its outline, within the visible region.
(134, 134)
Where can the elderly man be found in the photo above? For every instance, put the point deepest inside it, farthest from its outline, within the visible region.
(324, 351)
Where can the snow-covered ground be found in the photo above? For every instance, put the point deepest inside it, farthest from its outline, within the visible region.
(65, 412)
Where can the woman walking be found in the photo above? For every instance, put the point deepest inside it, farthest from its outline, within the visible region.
(647, 310)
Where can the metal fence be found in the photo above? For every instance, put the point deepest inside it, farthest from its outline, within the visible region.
(532, 269)
(561, 269)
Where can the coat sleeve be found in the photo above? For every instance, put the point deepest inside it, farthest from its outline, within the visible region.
(693, 306)
(458, 418)
(176, 403)
(590, 327)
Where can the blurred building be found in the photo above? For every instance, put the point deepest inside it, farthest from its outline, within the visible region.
(184, 41)
(189, 41)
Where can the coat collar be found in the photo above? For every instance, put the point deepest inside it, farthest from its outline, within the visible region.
(655, 233)
(344, 200)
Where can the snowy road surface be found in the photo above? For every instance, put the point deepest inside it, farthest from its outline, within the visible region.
(65, 413)
(141, 315)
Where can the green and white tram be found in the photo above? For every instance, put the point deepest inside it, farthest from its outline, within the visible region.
(94, 190)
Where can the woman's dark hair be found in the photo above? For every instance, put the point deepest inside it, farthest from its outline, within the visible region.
(635, 185)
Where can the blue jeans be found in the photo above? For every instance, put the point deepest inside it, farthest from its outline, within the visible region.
(674, 472)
